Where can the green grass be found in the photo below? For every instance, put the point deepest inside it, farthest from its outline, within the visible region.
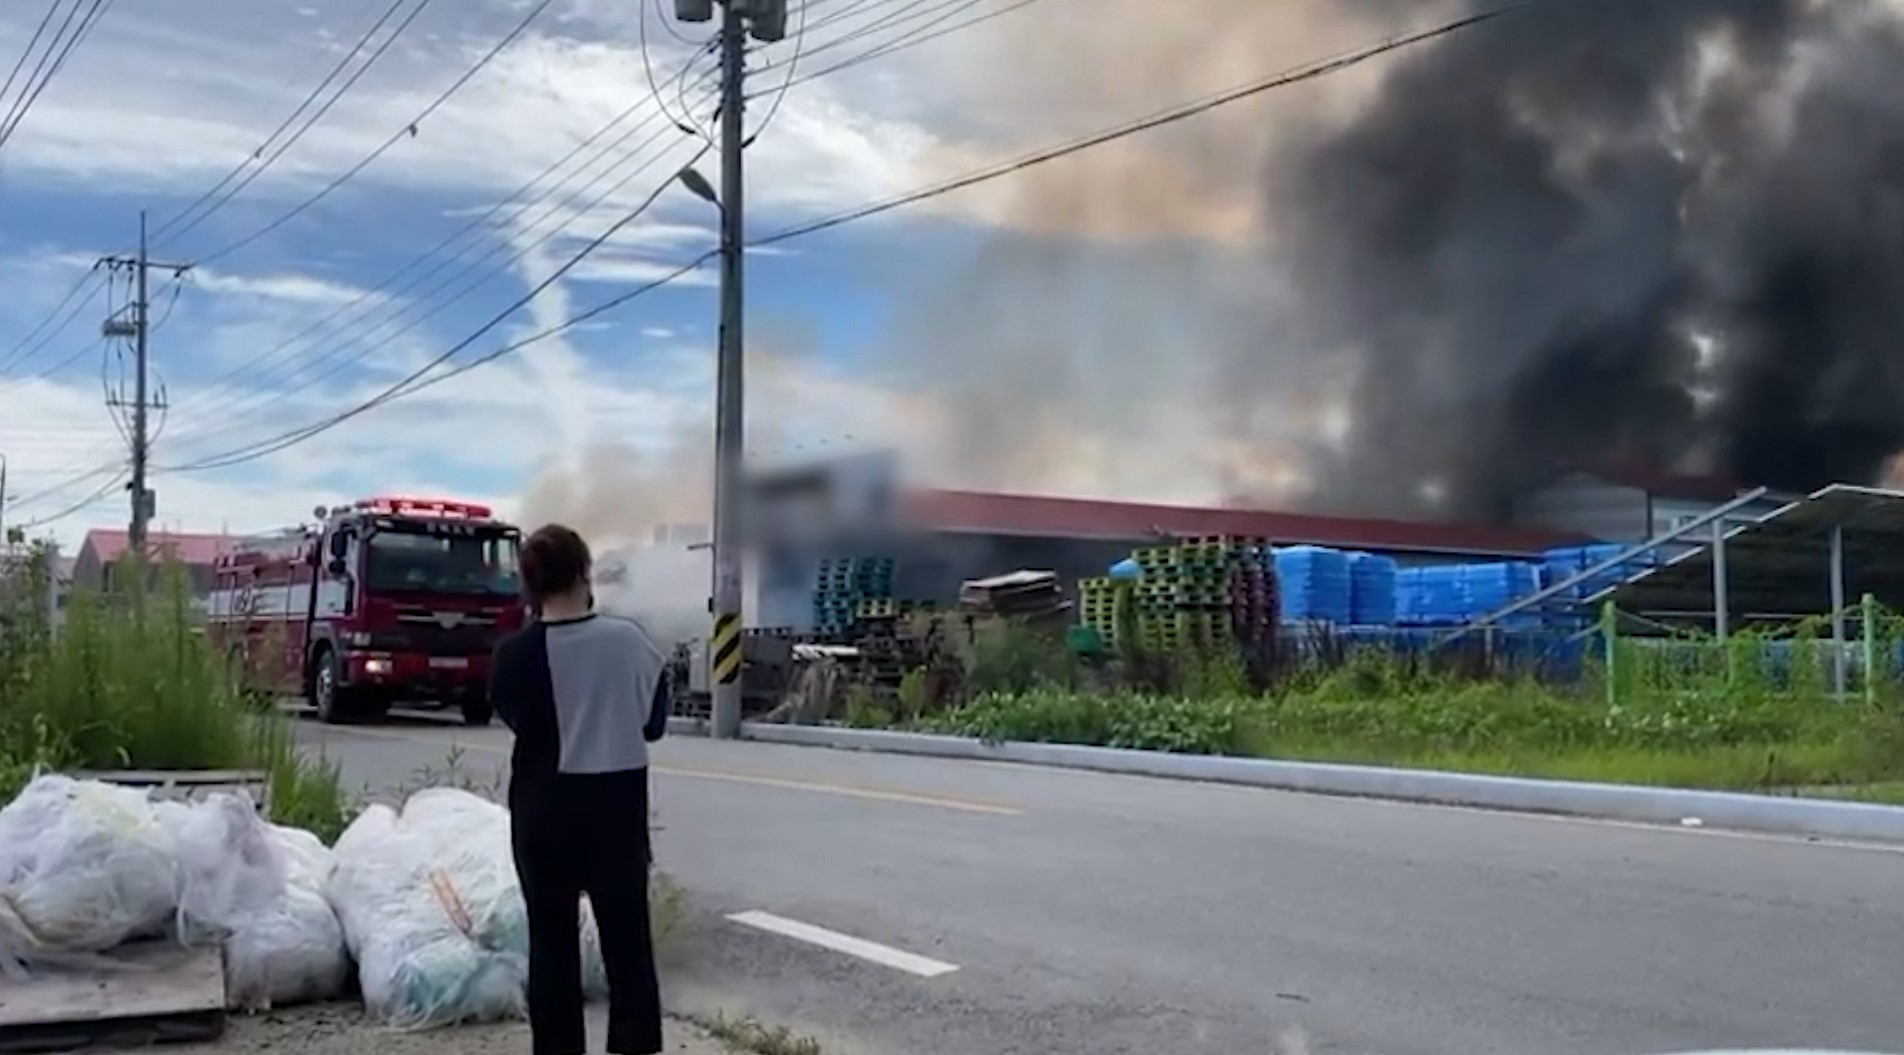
(131, 682)
(1676, 717)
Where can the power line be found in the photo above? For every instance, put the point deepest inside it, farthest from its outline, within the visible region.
(906, 11)
(24, 104)
(337, 70)
(416, 383)
(396, 390)
(409, 129)
(284, 350)
(102, 494)
(53, 489)
(31, 44)
(266, 398)
(685, 122)
(417, 379)
(786, 84)
(1157, 120)
(20, 352)
(912, 38)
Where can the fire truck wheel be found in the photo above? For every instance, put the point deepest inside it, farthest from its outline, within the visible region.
(328, 696)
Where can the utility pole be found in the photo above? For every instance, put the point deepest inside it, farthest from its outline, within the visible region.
(5, 545)
(767, 22)
(139, 329)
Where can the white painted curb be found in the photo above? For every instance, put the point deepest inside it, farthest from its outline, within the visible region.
(1673, 806)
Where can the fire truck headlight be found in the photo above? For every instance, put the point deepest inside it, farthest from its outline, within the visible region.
(376, 666)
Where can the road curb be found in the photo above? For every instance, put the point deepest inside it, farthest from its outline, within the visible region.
(1763, 813)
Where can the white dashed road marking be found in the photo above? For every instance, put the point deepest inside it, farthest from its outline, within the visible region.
(884, 955)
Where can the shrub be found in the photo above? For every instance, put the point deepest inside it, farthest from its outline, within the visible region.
(130, 681)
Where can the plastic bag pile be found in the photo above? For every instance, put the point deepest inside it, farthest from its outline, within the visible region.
(86, 867)
(434, 915)
(425, 900)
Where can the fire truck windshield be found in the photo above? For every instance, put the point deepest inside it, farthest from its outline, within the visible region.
(398, 559)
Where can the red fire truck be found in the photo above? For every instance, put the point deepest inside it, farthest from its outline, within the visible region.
(386, 600)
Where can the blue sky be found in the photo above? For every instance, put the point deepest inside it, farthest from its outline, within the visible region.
(859, 332)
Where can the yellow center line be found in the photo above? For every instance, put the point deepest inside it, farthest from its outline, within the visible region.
(850, 790)
(758, 780)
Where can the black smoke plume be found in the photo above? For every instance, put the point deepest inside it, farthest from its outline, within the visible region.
(1600, 231)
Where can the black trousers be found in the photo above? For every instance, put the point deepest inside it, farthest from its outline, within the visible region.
(576, 835)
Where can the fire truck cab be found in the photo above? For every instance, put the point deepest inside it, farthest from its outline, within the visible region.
(383, 601)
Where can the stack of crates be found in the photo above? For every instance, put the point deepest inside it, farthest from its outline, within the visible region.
(1098, 602)
(1184, 594)
(1254, 608)
(1371, 589)
(1315, 585)
(849, 589)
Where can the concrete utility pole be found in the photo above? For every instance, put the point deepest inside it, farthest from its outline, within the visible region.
(767, 21)
(139, 329)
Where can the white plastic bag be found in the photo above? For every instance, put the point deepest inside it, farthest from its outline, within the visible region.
(84, 867)
(229, 866)
(433, 913)
(291, 951)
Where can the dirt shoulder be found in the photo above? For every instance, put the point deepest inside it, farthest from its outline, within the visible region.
(340, 1029)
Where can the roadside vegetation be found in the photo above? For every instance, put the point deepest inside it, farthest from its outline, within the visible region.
(128, 680)
(1757, 714)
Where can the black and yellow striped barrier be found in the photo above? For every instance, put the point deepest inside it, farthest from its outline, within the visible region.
(724, 648)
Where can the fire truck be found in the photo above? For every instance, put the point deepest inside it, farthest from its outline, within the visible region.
(387, 600)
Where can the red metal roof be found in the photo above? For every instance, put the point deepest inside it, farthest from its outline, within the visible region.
(186, 547)
(1081, 518)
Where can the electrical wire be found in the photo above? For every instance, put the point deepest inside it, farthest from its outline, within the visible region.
(166, 228)
(382, 291)
(178, 284)
(31, 44)
(52, 489)
(834, 16)
(105, 491)
(20, 352)
(408, 129)
(911, 39)
(786, 84)
(24, 104)
(341, 344)
(417, 379)
(904, 11)
(685, 122)
(1159, 119)
(397, 389)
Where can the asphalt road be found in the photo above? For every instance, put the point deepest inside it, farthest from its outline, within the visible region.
(1090, 913)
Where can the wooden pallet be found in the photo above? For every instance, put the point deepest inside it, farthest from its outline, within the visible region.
(163, 995)
(188, 784)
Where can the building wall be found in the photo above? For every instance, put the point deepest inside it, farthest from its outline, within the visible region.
(1583, 505)
(1669, 513)
(90, 573)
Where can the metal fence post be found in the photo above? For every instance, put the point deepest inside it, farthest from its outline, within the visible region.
(1868, 618)
(1609, 636)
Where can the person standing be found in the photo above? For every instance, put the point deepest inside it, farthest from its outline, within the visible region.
(584, 694)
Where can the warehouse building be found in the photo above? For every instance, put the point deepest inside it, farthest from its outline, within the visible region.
(1633, 504)
(938, 539)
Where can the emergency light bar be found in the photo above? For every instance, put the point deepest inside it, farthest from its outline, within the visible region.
(424, 507)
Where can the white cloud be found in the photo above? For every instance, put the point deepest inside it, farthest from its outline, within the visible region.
(215, 75)
(636, 271)
(302, 289)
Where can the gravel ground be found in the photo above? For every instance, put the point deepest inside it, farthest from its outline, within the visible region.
(340, 1029)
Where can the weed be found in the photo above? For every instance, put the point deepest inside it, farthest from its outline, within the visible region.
(745, 1034)
(130, 681)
